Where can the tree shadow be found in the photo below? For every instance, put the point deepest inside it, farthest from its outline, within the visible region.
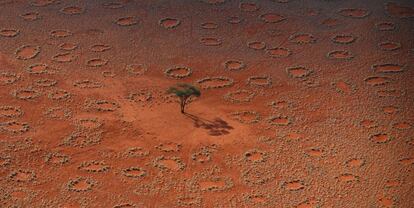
(217, 127)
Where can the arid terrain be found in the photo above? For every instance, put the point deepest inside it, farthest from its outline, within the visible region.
(305, 104)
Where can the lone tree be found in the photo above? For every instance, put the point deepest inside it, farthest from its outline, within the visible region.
(184, 92)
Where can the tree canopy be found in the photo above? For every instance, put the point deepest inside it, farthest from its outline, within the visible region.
(184, 91)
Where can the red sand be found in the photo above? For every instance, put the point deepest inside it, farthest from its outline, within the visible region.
(304, 103)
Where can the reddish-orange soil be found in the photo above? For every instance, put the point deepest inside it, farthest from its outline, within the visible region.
(304, 104)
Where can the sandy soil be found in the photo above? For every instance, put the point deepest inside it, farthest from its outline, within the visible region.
(304, 103)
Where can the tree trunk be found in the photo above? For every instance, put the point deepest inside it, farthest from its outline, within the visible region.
(182, 105)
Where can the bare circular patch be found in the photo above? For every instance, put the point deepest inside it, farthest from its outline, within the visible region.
(295, 185)
(344, 87)
(108, 74)
(178, 72)
(60, 33)
(10, 111)
(355, 163)
(278, 52)
(260, 81)
(343, 39)
(87, 84)
(272, 18)
(68, 46)
(72, 10)
(8, 78)
(100, 48)
(396, 10)
(239, 96)
(5, 160)
(169, 163)
(169, 23)
(377, 80)
(215, 82)
(246, 117)
(93, 166)
(59, 113)
(380, 138)
(14, 127)
(125, 205)
(354, 12)
(127, 21)
(255, 156)
(42, 3)
(395, 93)
(389, 46)
(45, 82)
(136, 69)
(38, 69)
(80, 184)
(258, 199)
(22, 176)
(340, 55)
(388, 68)
(347, 178)
(30, 16)
(102, 105)
(57, 158)
(140, 96)
(298, 72)
(248, 6)
(189, 201)
(63, 57)
(256, 45)
(407, 161)
(389, 109)
(257, 175)
(279, 120)
(136, 152)
(26, 93)
(214, 184)
(302, 38)
(209, 25)
(134, 172)
(385, 26)
(202, 156)
(169, 147)
(26, 52)
(96, 62)
(83, 139)
(210, 41)
(9, 33)
(234, 65)
(59, 94)
(401, 125)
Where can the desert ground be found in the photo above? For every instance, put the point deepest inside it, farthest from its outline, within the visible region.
(304, 104)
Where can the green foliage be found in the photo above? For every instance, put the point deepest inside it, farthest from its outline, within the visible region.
(184, 91)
